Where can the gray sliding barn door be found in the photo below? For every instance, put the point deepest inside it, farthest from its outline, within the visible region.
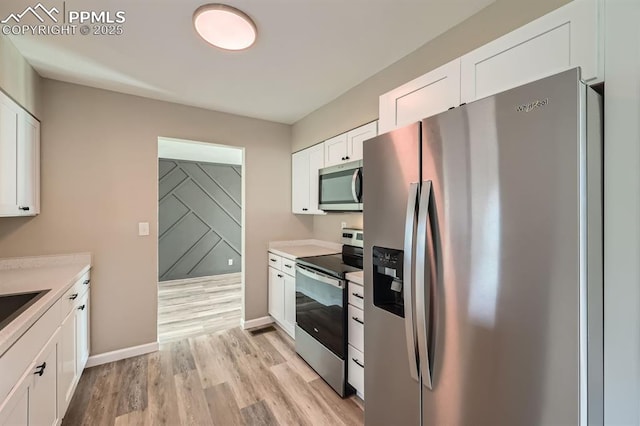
(199, 219)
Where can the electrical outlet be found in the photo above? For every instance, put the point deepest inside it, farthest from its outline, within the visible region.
(143, 229)
(230, 262)
(343, 225)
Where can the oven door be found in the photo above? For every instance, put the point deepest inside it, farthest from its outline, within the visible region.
(341, 187)
(320, 301)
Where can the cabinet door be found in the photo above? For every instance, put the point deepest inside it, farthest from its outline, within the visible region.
(276, 294)
(564, 38)
(28, 165)
(300, 182)
(8, 152)
(82, 330)
(67, 364)
(357, 136)
(335, 150)
(14, 410)
(290, 302)
(316, 162)
(43, 406)
(430, 94)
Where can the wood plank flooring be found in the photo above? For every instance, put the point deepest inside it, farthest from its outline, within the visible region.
(197, 306)
(233, 377)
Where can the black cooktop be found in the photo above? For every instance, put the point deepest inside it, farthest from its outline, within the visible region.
(331, 264)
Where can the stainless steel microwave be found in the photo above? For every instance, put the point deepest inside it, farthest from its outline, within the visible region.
(341, 187)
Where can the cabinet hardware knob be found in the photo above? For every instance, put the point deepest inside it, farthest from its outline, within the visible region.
(356, 319)
(73, 296)
(273, 260)
(287, 266)
(40, 369)
(357, 362)
(305, 209)
(86, 282)
(358, 295)
(343, 158)
(346, 158)
(26, 209)
(81, 307)
(280, 276)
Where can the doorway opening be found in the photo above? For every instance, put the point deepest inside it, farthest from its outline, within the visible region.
(200, 238)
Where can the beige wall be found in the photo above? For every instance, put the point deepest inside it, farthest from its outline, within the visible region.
(18, 79)
(99, 179)
(359, 105)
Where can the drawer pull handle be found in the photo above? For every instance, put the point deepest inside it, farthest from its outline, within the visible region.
(40, 369)
(357, 362)
(86, 282)
(305, 209)
(280, 276)
(24, 209)
(287, 266)
(273, 260)
(358, 295)
(73, 296)
(81, 307)
(356, 319)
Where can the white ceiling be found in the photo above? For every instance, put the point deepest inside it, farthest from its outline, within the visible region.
(308, 52)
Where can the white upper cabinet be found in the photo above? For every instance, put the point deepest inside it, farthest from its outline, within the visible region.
(357, 136)
(9, 113)
(335, 150)
(427, 95)
(565, 38)
(305, 165)
(347, 146)
(19, 160)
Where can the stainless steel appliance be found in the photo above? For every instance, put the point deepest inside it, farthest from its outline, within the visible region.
(483, 257)
(321, 319)
(341, 187)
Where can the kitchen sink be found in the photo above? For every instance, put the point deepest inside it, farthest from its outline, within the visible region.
(12, 305)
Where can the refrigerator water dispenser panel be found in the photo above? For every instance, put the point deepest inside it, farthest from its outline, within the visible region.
(387, 280)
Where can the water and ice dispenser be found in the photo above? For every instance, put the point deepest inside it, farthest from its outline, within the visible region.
(387, 280)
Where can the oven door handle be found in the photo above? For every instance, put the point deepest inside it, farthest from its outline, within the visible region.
(320, 277)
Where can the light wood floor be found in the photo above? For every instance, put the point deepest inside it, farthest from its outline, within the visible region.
(198, 306)
(229, 378)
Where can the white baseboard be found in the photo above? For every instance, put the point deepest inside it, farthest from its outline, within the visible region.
(122, 354)
(258, 322)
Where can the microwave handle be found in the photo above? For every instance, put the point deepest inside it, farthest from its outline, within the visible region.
(356, 185)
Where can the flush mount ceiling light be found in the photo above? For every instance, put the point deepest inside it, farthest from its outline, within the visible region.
(224, 26)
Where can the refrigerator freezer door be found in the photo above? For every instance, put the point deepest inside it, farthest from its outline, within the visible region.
(505, 175)
(391, 165)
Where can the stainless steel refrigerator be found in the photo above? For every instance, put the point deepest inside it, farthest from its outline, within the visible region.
(483, 262)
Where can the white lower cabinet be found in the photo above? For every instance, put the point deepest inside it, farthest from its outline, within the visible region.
(355, 333)
(282, 292)
(32, 400)
(74, 342)
(40, 372)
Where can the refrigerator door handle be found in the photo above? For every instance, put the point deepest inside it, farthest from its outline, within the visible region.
(422, 286)
(407, 286)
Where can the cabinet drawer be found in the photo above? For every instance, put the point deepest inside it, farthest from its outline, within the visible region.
(356, 327)
(355, 374)
(289, 266)
(73, 295)
(356, 295)
(275, 261)
(16, 359)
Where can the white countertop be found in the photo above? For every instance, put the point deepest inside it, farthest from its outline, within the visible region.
(355, 277)
(303, 248)
(22, 275)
